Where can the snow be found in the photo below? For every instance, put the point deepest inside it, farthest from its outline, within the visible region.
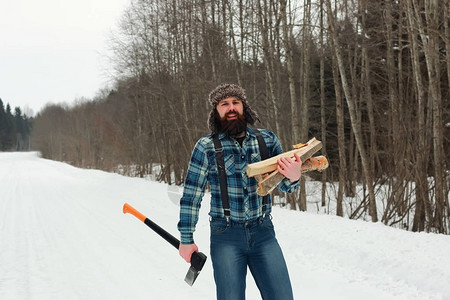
(63, 236)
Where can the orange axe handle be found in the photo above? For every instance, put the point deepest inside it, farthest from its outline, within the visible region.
(127, 208)
(198, 259)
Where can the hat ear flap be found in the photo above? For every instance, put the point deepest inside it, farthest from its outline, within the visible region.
(250, 115)
(213, 121)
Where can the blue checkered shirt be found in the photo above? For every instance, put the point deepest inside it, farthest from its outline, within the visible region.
(245, 203)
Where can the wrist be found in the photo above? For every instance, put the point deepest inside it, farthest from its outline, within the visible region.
(187, 238)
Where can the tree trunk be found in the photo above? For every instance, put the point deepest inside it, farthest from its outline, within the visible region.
(323, 120)
(268, 61)
(287, 38)
(423, 209)
(341, 138)
(353, 115)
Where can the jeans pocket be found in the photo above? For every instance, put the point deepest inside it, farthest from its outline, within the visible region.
(218, 227)
(267, 223)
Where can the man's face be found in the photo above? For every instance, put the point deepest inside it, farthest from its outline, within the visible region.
(230, 108)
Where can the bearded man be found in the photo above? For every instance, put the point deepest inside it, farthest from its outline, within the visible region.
(242, 232)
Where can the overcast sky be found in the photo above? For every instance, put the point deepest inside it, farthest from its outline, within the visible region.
(52, 51)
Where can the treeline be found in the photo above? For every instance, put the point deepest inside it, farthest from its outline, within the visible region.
(15, 129)
(370, 79)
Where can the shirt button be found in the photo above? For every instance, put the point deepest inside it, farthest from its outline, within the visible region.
(243, 156)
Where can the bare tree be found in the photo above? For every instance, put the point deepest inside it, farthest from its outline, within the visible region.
(356, 126)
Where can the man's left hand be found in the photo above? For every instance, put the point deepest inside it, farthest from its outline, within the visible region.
(290, 168)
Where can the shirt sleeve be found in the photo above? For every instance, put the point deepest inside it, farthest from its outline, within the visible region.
(194, 189)
(285, 186)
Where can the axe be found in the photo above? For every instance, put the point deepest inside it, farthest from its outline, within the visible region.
(198, 259)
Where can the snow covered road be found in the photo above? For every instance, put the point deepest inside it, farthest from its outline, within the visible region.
(63, 236)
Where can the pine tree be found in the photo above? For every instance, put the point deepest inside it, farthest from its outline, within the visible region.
(2, 126)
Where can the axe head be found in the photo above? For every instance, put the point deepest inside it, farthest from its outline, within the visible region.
(198, 259)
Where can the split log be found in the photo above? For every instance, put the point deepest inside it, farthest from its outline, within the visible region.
(266, 184)
(266, 172)
(270, 164)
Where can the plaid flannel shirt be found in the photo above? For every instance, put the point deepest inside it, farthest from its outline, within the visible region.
(245, 203)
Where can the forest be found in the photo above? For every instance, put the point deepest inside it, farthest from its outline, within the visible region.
(15, 129)
(370, 79)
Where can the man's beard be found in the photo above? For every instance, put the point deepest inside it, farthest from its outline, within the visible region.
(233, 127)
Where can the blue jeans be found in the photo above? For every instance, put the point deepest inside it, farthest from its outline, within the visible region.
(234, 246)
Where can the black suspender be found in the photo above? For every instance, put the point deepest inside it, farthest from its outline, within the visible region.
(264, 155)
(223, 176)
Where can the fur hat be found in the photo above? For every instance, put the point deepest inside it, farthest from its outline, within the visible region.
(224, 91)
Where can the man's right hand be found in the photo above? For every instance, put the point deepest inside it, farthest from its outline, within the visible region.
(186, 251)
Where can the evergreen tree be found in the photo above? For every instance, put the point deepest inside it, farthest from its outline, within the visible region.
(14, 129)
(10, 131)
(2, 126)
